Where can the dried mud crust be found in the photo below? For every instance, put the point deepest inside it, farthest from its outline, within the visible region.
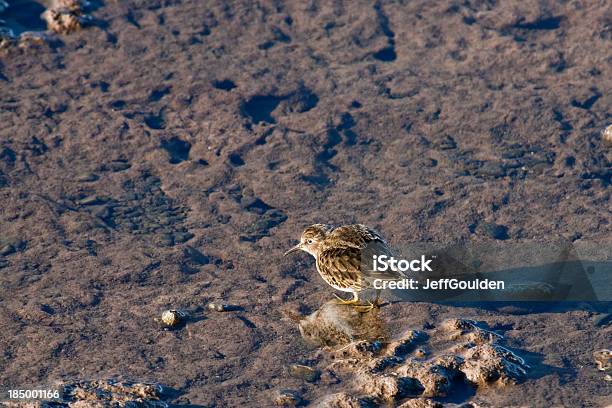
(429, 121)
(417, 365)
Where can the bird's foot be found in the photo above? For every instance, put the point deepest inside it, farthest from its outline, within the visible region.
(341, 301)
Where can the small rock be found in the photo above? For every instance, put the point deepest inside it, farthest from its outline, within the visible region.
(288, 398)
(173, 318)
(606, 135)
(304, 372)
(217, 307)
(420, 353)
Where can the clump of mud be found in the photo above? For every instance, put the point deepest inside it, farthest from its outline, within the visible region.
(603, 359)
(412, 369)
(8, 38)
(66, 16)
(61, 16)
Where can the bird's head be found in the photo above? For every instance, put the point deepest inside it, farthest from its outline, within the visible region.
(311, 238)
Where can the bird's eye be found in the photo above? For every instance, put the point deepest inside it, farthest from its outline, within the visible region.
(309, 241)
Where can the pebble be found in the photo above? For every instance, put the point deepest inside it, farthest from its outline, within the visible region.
(303, 372)
(217, 307)
(172, 318)
(606, 135)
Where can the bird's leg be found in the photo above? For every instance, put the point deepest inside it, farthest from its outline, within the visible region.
(370, 305)
(352, 301)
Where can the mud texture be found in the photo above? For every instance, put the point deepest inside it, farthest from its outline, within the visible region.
(165, 156)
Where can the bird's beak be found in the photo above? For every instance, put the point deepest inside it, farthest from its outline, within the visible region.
(298, 247)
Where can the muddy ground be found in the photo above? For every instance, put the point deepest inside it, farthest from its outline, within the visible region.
(167, 154)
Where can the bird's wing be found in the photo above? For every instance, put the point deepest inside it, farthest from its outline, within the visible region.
(356, 236)
(365, 242)
(341, 266)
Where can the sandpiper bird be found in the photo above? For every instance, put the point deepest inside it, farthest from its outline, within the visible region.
(342, 257)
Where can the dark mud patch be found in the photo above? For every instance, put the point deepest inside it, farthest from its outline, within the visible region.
(177, 149)
(224, 84)
(387, 54)
(259, 108)
(545, 23)
(156, 122)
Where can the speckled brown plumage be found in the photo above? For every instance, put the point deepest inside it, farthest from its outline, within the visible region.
(342, 256)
